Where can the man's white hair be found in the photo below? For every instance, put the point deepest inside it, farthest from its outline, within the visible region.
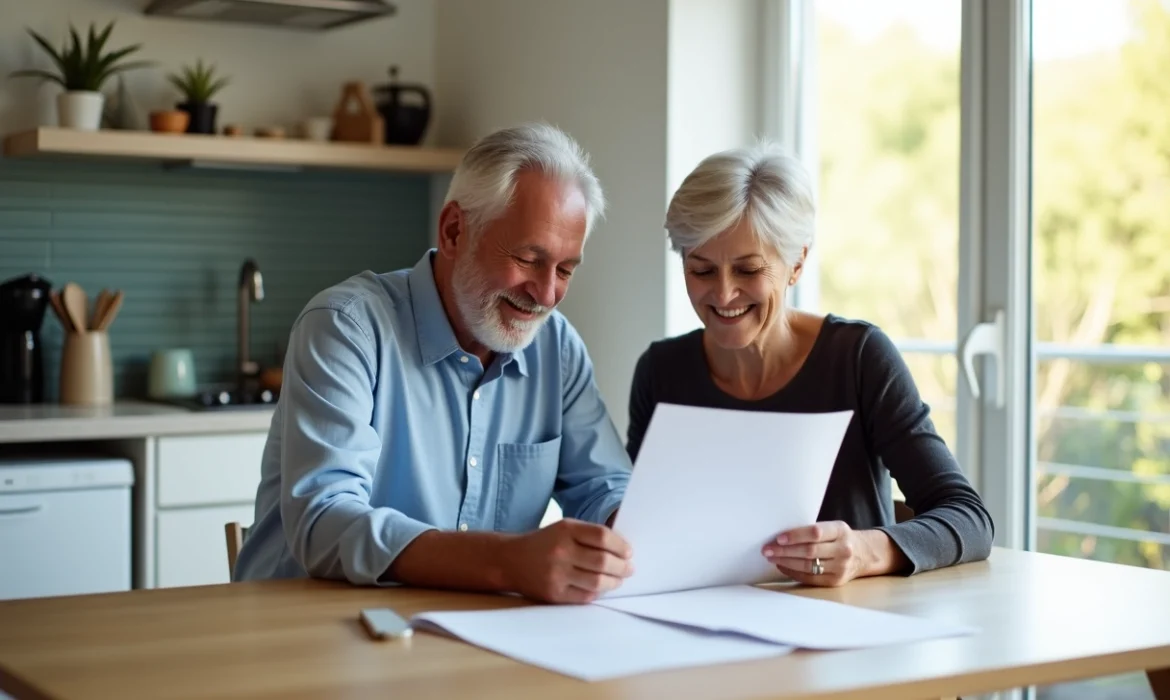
(485, 180)
(763, 183)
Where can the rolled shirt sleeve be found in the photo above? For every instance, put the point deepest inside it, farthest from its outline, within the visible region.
(330, 451)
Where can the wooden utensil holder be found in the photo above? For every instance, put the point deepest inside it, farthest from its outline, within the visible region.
(87, 369)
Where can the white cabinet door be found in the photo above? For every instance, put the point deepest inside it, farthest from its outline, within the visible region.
(209, 469)
(203, 482)
(192, 550)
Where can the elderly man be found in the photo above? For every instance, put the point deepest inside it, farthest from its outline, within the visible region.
(428, 415)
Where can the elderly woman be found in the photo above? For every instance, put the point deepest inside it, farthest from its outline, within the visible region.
(743, 223)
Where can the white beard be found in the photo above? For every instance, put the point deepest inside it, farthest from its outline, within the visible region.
(479, 305)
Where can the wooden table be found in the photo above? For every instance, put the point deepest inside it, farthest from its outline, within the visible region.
(1043, 619)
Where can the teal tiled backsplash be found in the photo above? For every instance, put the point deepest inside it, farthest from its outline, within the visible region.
(174, 239)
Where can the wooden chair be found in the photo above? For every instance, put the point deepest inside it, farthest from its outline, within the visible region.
(234, 534)
(902, 512)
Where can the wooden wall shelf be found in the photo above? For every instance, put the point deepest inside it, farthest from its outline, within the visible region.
(239, 151)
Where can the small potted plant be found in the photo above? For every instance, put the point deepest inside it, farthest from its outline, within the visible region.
(82, 69)
(199, 84)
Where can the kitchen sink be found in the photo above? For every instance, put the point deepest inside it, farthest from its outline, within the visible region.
(226, 400)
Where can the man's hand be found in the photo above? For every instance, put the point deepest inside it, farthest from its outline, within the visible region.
(570, 561)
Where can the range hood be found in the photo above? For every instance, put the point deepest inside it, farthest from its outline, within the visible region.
(293, 14)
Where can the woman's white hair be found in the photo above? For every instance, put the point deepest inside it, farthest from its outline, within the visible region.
(763, 183)
(485, 180)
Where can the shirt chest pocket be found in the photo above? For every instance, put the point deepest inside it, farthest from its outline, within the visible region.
(528, 472)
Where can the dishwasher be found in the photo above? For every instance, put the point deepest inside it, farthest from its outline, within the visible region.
(65, 526)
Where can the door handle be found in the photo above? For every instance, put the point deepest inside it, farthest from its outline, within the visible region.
(986, 338)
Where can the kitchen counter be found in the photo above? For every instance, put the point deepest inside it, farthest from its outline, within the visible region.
(123, 419)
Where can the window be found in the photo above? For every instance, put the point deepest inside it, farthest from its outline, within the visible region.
(887, 113)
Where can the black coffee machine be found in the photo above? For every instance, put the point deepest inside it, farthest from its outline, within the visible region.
(23, 301)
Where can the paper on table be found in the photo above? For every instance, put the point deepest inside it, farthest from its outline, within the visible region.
(780, 617)
(710, 486)
(592, 643)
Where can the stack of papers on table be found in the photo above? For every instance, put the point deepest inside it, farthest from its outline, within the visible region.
(709, 488)
(639, 634)
(593, 643)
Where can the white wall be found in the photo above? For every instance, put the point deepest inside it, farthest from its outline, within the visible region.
(598, 69)
(280, 76)
(714, 85)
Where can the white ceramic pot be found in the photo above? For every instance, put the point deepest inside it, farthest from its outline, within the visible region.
(80, 109)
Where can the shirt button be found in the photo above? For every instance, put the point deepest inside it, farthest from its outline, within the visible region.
(464, 359)
(463, 527)
(472, 461)
(475, 396)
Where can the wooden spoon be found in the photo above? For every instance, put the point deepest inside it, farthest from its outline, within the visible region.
(59, 309)
(99, 308)
(76, 305)
(110, 311)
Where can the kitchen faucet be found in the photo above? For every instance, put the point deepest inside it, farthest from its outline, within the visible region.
(251, 289)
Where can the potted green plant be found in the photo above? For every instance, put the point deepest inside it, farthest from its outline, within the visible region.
(82, 68)
(199, 84)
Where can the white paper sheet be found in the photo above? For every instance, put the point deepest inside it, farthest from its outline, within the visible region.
(711, 486)
(591, 643)
(781, 617)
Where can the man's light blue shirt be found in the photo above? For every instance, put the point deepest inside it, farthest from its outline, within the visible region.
(386, 428)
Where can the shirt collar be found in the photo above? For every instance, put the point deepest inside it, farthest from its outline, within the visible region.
(520, 359)
(436, 338)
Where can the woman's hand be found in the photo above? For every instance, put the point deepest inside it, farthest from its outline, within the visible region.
(841, 553)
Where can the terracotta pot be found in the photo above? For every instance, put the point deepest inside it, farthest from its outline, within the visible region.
(171, 121)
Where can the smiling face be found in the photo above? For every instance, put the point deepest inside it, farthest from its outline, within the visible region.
(737, 285)
(508, 279)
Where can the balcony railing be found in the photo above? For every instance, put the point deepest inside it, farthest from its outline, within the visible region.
(1096, 355)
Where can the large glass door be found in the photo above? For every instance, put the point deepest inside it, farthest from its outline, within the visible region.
(887, 148)
(913, 115)
(920, 143)
(993, 178)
